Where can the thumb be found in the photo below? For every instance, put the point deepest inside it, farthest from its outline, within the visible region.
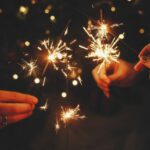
(139, 66)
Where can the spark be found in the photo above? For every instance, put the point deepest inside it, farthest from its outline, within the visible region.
(56, 54)
(44, 80)
(45, 106)
(72, 72)
(100, 49)
(57, 126)
(68, 114)
(30, 67)
(102, 28)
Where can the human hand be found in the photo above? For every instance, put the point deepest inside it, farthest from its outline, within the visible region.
(144, 59)
(119, 74)
(15, 106)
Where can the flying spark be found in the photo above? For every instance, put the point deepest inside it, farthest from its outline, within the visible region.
(30, 67)
(45, 106)
(72, 72)
(57, 126)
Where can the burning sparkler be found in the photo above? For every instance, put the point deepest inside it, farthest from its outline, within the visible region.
(45, 106)
(30, 67)
(99, 49)
(69, 114)
(55, 53)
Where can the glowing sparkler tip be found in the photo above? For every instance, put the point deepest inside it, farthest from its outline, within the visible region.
(56, 53)
(69, 114)
(45, 106)
(57, 126)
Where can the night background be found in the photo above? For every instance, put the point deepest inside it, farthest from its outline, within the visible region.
(119, 124)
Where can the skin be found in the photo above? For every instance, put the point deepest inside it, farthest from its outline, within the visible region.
(119, 74)
(142, 64)
(16, 106)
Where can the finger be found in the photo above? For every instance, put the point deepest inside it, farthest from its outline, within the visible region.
(17, 118)
(95, 76)
(115, 77)
(15, 108)
(100, 82)
(100, 73)
(103, 76)
(139, 66)
(103, 84)
(107, 94)
(146, 49)
(7, 96)
(104, 89)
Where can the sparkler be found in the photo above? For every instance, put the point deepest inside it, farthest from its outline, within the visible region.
(56, 54)
(30, 67)
(45, 106)
(69, 114)
(99, 49)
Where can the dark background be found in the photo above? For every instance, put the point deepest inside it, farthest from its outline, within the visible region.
(120, 124)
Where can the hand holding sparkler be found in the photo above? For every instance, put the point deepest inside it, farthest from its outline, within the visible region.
(15, 106)
(144, 59)
(119, 74)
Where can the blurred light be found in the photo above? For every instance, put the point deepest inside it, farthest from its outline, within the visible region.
(113, 9)
(36, 80)
(48, 9)
(1, 11)
(27, 43)
(129, 0)
(33, 2)
(141, 31)
(64, 94)
(15, 76)
(52, 18)
(47, 31)
(74, 82)
(24, 10)
(121, 36)
(140, 12)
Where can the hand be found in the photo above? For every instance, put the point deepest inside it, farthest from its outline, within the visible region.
(16, 106)
(119, 74)
(144, 59)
